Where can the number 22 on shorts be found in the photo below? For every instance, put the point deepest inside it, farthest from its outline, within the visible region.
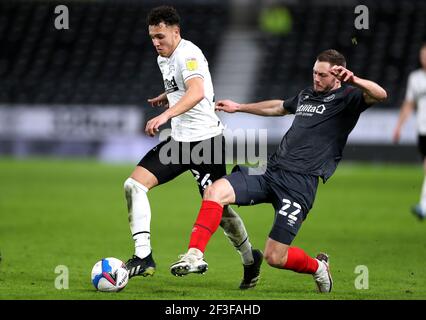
(291, 215)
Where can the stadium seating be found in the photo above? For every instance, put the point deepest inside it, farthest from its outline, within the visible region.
(385, 53)
(105, 57)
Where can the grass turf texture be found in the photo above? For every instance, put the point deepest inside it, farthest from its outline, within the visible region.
(73, 213)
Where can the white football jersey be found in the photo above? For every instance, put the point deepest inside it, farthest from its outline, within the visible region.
(200, 122)
(416, 92)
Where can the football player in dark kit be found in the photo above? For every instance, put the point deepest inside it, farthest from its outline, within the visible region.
(325, 114)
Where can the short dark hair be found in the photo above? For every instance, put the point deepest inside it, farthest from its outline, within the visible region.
(334, 57)
(166, 14)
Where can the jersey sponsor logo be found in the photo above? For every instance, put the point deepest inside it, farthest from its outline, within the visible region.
(170, 85)
(329, 98)
(320, 109)
(309, 109)
(191, 64)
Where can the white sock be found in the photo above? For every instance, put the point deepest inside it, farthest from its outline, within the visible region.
(139, 216)
(423, 197)
(236, 232)
(142, 244)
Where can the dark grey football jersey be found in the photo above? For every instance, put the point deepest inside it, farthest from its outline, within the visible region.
(315, 141)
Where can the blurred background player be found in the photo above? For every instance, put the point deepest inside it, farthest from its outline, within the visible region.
(190, 97)
(416, 97)
(325, 114)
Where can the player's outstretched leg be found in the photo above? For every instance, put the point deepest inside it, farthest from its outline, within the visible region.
(322, 276)
(297, 260)
(207, 222)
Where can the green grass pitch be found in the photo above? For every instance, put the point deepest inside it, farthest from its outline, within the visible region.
(73, 213)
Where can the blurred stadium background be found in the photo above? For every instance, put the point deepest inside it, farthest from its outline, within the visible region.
(82, 91)
(80, 94)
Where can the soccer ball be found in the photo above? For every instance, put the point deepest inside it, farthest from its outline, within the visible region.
(110, 274)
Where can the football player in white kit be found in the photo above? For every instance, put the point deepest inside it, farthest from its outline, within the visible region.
(416, 97)
(190, 99)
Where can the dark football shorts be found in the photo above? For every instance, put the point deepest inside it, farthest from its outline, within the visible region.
(421, 144)
(170, 158)
(292, 195)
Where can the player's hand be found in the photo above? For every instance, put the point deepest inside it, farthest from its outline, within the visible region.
(227, 106)
(342, 74)
(396, 135)
(159, 101)
(152, 126)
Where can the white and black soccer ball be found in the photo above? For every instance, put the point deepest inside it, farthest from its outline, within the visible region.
(110, 275)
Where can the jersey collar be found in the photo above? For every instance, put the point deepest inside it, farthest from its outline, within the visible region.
(179, 44)
(322, 94)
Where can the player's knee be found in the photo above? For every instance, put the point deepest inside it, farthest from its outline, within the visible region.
(131, 184)
(211, 193)
(275, 259)
(215, 193)
(219, 192)
(144, 177)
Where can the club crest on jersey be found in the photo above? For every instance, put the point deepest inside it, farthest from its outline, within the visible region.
(167, 69)
(191, 64)
(329, 98)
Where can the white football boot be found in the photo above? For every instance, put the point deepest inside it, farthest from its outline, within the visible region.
(190, 262)
(322, 276)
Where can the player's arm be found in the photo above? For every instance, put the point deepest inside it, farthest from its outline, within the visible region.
(263, 108)
(193, 95)
(373, 93)
(406, 109)
(159, 101)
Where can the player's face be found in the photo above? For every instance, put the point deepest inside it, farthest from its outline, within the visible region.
(164, 38)
(323, 80)
(423, 57)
